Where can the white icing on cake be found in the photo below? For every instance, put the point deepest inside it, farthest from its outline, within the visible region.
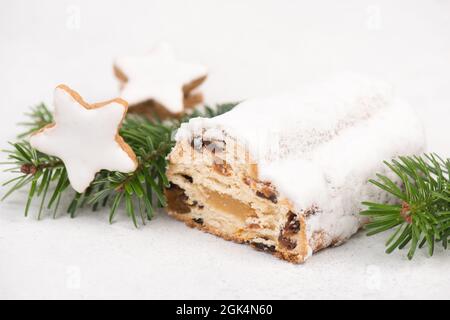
(158, 76)
(84, 139)
(321, 144)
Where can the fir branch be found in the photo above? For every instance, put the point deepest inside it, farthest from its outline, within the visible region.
(139, 192)
(423, 216)
(37, 170)
(38, 117)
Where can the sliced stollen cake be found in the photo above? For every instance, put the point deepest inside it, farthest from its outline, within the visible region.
(287, 174)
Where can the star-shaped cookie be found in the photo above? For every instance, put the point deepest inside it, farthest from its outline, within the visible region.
(85, 137)
(159, 78)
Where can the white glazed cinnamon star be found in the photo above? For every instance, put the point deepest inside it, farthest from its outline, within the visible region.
(85, 137)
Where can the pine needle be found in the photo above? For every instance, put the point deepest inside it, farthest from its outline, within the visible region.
(422, 219)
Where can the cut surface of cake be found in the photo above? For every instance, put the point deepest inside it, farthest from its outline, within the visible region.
(287, 174)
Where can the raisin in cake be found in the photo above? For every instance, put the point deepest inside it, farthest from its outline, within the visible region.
(287, 174)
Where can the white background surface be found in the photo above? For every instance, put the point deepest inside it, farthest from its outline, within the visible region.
(252, 48)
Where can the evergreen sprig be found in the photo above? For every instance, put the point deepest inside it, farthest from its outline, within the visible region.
(38, 117)
(140, 192)
(422, 217)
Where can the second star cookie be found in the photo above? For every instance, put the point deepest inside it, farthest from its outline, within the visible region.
(159, 84)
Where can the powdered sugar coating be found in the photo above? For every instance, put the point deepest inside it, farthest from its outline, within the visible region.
(157, 76)
(320, 145)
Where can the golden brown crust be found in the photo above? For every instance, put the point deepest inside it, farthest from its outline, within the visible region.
(192, 100)
(187, 219)
(187, 88)
(51, 125)
(120, 75)
(152, 109)
(125, 147)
